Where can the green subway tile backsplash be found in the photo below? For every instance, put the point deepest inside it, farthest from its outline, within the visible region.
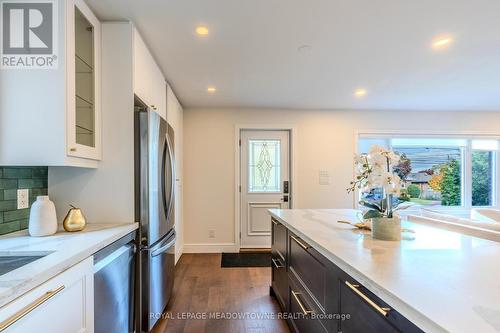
(11, 179)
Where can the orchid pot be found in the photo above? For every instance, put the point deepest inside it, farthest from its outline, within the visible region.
(385, 228)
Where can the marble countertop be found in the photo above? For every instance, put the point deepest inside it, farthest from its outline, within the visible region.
(441, 280)
(66, 249)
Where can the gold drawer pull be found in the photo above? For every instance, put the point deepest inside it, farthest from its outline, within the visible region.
(30, 307)
(277, 263)
(354, 287)
(301, 305)
(302, 245)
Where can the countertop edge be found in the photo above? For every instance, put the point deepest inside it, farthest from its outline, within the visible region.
(53, 271)
(412, 314)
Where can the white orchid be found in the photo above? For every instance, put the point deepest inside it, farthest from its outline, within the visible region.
(375, 170)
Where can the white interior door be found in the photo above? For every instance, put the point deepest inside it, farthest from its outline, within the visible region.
(264, 180)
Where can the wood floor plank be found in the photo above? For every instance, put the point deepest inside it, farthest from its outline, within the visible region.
(203, 289)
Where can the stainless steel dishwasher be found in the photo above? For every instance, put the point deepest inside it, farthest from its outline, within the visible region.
(114, 271)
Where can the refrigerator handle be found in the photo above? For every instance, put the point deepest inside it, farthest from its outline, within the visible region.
(172, 178)
(166, 155)
(163, 249)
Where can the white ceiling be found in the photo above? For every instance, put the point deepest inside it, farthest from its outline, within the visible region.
(384, 46)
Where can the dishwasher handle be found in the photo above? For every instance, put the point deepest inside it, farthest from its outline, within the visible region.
(129, 247)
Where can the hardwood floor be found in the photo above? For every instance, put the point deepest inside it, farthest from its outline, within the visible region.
(203, 288)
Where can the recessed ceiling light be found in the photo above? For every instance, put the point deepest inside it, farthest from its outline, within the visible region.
(202, 30)
(441, 42)
(211, 89)
(360, 92)
(304, 49)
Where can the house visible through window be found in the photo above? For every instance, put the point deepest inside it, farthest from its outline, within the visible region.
(435, 171)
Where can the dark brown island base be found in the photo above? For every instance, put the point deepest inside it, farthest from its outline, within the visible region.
(317, 296)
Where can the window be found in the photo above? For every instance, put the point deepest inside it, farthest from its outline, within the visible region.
(435, 171)
(483, 166)
(264, 166)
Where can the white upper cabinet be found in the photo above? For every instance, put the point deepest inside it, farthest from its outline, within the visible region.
(149, 83)
(83, 86)
(53, 116)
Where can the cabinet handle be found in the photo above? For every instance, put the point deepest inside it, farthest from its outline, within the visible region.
(354, 287)
(301, 305)
(30, 307)
(153, 107)
(277, 263)
(302, 245)
(72, 149)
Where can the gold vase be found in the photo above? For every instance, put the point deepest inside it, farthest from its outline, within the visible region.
(74, 220)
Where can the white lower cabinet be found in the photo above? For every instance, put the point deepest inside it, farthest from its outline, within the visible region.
(64, 304)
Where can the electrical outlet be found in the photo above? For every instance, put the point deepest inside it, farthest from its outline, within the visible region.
(211, 233)
(23, 198)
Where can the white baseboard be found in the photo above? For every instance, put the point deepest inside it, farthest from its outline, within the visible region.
(211, 248)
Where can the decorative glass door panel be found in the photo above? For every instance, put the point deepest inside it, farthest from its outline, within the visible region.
(264, 166)
(84, 80)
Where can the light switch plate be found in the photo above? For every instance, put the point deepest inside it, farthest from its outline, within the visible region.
(23, 198)
(324, 177)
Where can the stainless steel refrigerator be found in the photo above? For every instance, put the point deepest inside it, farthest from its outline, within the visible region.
(154, 206)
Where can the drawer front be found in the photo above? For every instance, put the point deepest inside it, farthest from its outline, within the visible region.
(308, 266)
(363, 317)
(303, 310)
(279, 248)
(280, 282)
(63, 304)
(368, 312)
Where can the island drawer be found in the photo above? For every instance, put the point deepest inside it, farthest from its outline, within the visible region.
(309, 267)
(279, 235)
(304, 312)
(368, 313)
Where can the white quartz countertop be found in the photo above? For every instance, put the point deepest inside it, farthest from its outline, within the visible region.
(441, 280)
(67, 249)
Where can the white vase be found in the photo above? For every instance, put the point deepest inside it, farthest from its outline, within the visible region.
(43, 220)
(384, 228)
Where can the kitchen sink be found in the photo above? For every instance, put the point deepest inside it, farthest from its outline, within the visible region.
(12, 261)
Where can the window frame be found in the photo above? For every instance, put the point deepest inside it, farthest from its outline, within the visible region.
(466, 196)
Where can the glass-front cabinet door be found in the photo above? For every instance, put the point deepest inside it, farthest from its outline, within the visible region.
(83, 82)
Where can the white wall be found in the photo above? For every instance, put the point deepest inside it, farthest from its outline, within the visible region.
(325, 141)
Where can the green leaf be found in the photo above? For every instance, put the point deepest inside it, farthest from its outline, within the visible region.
(370, 205)
(371, 214)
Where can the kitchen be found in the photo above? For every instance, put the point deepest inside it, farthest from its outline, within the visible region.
(183, 166)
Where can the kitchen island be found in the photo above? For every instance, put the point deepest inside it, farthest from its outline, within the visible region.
(433, 280)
